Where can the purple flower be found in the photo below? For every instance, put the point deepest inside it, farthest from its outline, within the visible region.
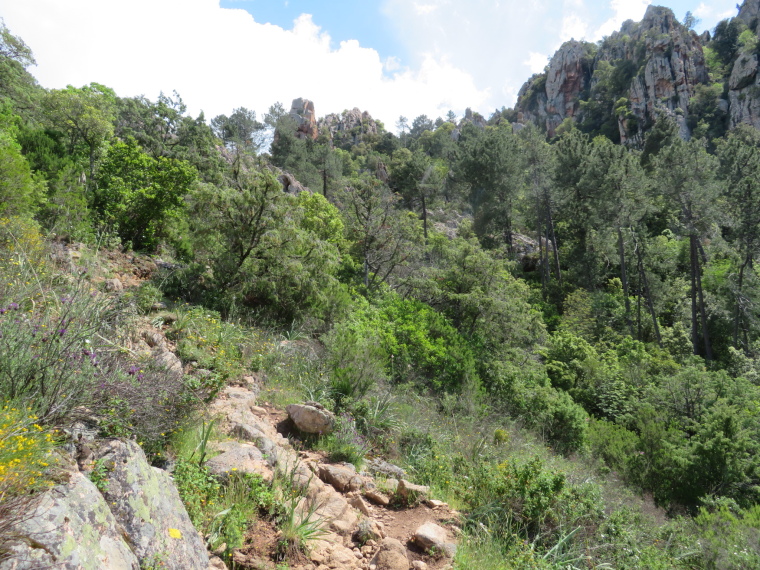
(13, 307)
(62, 332)
(133, 370)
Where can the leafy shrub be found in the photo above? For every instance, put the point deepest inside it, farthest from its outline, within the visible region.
(729, 536)
(420, 343)
(146, 295)
(48, 358)
(346, 443)
(527, 500)
(146, 403)
(614, 444)
(356, 365)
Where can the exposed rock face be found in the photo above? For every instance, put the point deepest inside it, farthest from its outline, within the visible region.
(147, 505)
(349, 126)
(750, 12)
(659, 60)
(302, 111)
(289, 184)
(72, 528)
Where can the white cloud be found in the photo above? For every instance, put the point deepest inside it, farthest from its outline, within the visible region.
(536, 62)
(423, 9)
(573, 27)
(715, 12)
(219, 59)
(622, 10)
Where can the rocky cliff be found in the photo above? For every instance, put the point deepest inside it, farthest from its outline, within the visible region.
(349, 126)
(655, 67)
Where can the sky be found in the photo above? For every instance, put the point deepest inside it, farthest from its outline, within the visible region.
(388, 57)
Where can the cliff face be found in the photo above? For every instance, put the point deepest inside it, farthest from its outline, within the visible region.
(349, 126)
(620, 86)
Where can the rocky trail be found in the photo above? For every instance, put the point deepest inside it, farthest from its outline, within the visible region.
(110, 509)
(373, 520)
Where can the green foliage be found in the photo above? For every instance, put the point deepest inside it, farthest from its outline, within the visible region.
(420, 344)
(345, 443)
(729, 536)
(529, 501)
(25, 468)
(356, 363)
(84, 116)
(141, 195)
(263, 247)
(22, 191)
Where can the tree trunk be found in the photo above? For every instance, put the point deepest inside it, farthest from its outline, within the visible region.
(424, 217)
(624, 279)
(693, 275)
(738, 312)
(539, 234)
(647, 292)
(703, 312)
(550, 224)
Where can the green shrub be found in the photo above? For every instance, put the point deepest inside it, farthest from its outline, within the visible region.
(729, 536)
(612, 443)
(528, 500)
(48, 354)
(346, 443)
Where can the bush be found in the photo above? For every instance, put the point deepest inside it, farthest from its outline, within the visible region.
(25, 449)
(346, 443)
(730, 536)
(48, 357)
(529, 501)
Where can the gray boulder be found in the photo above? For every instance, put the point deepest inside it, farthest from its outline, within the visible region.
(240, 458)
(433, 538)
(147, 505)
(391, 556)
(311, 417)
(342, 477)
(71, 528)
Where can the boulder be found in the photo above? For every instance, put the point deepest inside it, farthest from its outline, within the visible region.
(311, 418)
(391, 556)
(411, 493)
(342, 477)
(71, 528)
(377, 497)
(368, 530)
(168, 360)
(378, 466)
(147, 505)
(433, 538)
(240, 458)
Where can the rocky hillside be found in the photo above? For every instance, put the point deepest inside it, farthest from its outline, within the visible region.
(657, 66)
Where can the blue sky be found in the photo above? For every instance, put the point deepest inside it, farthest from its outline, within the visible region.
(389, 57)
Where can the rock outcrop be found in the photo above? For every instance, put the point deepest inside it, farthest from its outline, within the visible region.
(349, 127)
(148, 507)
(72, 528)
(302, 112)
(645, 69)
